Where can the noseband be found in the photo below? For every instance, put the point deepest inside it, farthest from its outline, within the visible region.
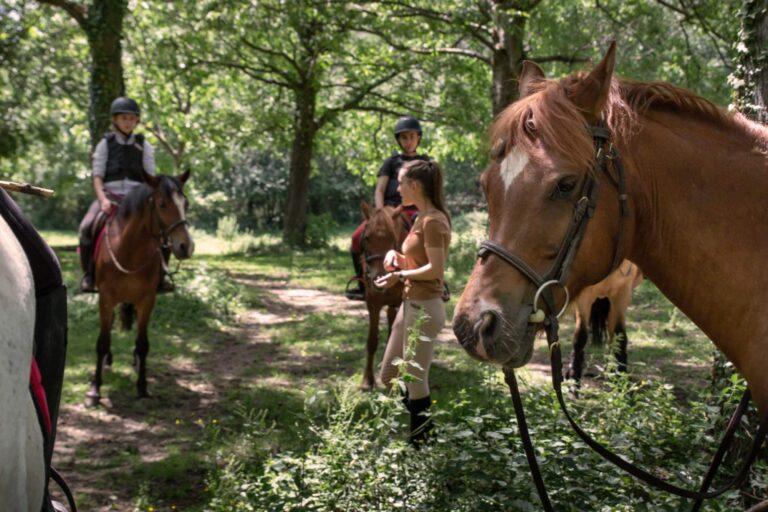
(557, 275)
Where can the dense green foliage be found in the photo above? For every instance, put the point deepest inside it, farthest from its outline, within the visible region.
(216, 103)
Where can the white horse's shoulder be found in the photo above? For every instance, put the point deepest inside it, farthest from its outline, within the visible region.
(21, 482)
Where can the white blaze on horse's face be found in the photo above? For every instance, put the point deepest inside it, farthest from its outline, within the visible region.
(179, 201)
(512, 165)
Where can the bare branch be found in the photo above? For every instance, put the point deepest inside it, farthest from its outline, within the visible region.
(357, 97)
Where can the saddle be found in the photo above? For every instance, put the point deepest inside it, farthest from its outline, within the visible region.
(50, 337)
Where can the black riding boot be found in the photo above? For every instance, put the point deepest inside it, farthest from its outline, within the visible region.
(421, 422)
(87, 283)
(358, 292)
(165, 285)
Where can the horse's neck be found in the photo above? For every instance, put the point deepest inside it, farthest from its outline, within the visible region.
(131, 235)
(701, 232)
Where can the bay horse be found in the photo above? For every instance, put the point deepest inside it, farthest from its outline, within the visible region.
(601, 310)
(385, 229)
(22, 466)
(128, 265)
(683, 192)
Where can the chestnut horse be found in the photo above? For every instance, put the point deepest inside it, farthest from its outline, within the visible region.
(385, 229)
(686, 201)
(129, 261)
(602, 309)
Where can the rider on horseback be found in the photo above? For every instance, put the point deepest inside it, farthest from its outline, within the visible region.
(408, 136)
(119, 162)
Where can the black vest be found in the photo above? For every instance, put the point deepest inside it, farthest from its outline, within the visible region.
(124, 160)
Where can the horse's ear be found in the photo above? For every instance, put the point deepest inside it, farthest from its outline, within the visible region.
(530, 75)
(366, 209)
(151, 180)
(397, 211)
(591, 93)
(183, 177)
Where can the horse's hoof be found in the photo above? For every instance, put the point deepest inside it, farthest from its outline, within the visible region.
(366, 386)
(92, 400)
(143, 394)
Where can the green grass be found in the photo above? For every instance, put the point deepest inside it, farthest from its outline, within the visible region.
(248, 407)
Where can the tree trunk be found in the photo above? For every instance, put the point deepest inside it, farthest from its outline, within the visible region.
(105, 32)
(304, 131)
(507, 57)
(751, 77)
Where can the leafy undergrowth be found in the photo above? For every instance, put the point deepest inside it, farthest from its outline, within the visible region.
(359, 460)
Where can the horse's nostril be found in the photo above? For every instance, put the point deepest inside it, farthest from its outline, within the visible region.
(183, 248)
(487, 325)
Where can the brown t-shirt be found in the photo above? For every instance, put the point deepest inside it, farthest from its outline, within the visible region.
(431, 229)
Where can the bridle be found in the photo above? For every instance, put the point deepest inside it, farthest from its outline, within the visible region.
(162, 239)
(557, 275)
(369, 258)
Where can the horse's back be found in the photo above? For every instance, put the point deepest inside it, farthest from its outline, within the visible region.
(617, 287)
(22, 469)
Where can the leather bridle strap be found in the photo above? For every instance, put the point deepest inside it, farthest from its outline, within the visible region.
(525, 436)
(699, 496)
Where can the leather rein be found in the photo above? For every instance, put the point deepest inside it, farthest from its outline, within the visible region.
(557, 276)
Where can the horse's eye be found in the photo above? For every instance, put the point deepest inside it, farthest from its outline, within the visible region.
(564, 188)
(161, 203)
(530, 128)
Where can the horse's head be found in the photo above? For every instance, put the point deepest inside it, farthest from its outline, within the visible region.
(381, 235)
(171, 204)
(540, 169)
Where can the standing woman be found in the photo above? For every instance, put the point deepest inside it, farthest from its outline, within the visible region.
(421, 266)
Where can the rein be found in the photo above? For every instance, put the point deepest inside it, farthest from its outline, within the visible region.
(583, 211)
(161, 239)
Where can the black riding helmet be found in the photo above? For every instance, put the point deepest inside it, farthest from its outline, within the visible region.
(407, 124)
(123, 105)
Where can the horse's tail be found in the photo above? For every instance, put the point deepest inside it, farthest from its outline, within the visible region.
(598, 317)
(127, 312)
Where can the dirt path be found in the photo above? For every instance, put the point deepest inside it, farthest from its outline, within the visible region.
(95, 447)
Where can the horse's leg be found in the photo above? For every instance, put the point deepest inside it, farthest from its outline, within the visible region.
(374, 310)
(106, 314)
(580, 337)
(143, 312)
(617, 331)
(391, 314)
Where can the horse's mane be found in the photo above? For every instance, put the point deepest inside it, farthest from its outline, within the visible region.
(381, 219)
(553, 116)
(136, 200)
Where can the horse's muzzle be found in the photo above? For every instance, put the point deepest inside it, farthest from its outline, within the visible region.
(493, 337)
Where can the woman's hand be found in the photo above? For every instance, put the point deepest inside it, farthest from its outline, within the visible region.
(391, 260)
(387, 280)
(106, 205)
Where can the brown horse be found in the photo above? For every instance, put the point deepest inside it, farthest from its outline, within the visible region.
(693, 216)
(129, 261)
(602, 309)
(385, 230)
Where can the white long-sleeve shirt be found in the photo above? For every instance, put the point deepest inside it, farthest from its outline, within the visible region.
(100, 154)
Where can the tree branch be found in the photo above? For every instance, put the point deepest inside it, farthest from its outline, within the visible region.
(357, 97)
(77, 11)
(568, 59)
